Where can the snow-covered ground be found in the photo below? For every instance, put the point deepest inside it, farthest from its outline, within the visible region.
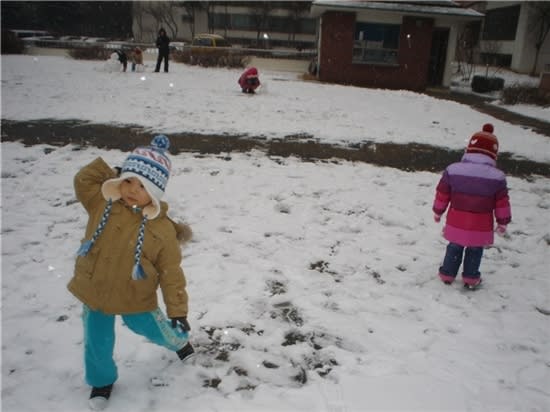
(209, 101)
(312, 284)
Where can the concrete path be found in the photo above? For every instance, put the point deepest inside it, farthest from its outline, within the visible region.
(483, 105)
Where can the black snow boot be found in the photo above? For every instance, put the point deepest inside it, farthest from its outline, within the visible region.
(186, 352)
(99, 397)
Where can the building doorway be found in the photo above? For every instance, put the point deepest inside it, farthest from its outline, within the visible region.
(438, 56)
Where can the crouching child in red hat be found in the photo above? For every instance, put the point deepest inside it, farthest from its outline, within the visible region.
(477, 196)
(249, 80)
(130, 248)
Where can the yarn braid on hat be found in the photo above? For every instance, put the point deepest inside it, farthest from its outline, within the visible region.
(137, 271)
(87, 244)
(484, 142)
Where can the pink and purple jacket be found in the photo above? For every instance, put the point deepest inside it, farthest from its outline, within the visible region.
(249, 79)
(476, 190)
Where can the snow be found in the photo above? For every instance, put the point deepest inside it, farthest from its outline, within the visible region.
(312, 284)
(208, 101)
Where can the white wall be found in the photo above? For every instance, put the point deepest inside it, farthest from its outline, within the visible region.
(451, 51)
(523, 51)
(522, 48)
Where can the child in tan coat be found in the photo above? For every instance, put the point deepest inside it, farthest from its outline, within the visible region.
(137, 60)
(130, 248)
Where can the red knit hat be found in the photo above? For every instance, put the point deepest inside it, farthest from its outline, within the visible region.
(484, 142)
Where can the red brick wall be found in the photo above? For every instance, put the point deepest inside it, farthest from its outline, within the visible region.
(411, 73)
(336, 47)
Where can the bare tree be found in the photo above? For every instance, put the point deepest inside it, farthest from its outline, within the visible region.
(191, 8)
(208, 7)
(540, 26)
(137, 12)
(260, 11)
(467, 46)
(297, 9)
(164, 13)
(491, 50)
(226, 21)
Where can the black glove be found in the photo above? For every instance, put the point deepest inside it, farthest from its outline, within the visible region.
(182, 323)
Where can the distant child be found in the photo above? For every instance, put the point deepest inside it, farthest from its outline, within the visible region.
(122, 58)
(137, 60)
(478, 195)
(249, 80)
(130, 249)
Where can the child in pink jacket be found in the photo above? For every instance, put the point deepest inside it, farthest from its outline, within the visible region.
(477, 195)
(249, 80)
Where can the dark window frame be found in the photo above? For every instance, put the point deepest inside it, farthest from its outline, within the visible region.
(501, 24)
(376, 43)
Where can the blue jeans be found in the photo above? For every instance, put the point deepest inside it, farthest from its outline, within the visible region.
(99, 340)
(453, 259)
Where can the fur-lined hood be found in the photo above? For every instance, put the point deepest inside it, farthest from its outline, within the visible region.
(184, 233)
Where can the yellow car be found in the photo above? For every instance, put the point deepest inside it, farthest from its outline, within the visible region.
(209, 50)
(206, 41)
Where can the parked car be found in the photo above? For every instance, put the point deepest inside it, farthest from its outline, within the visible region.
(208, 40)
(30, 33)
(209, 49)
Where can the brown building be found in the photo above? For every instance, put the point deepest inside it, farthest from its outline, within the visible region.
(394, 45)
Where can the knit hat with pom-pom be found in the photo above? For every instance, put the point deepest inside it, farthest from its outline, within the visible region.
(484, 142)
(151, 165)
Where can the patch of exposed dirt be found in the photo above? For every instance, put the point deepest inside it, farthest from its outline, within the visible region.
(409, 157)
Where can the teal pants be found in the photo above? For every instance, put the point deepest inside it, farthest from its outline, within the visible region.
(99, 340)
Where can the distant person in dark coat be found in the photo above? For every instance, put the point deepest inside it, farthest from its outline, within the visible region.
(122, 58)
(163, 44)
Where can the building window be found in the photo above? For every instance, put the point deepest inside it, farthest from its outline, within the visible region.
(501, 24)
(496, 59)
(376, 43)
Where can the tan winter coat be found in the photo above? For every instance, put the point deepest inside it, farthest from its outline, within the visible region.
(103, 278)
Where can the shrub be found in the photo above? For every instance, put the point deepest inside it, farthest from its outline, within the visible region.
(90, 53)
(519, 93)
(180, 56)
(11, 44)
(496, 83)
(482, 84)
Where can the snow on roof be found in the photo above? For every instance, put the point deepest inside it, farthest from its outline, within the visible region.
(448, 8)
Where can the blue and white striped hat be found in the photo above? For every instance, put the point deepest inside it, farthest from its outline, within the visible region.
(151, 165)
